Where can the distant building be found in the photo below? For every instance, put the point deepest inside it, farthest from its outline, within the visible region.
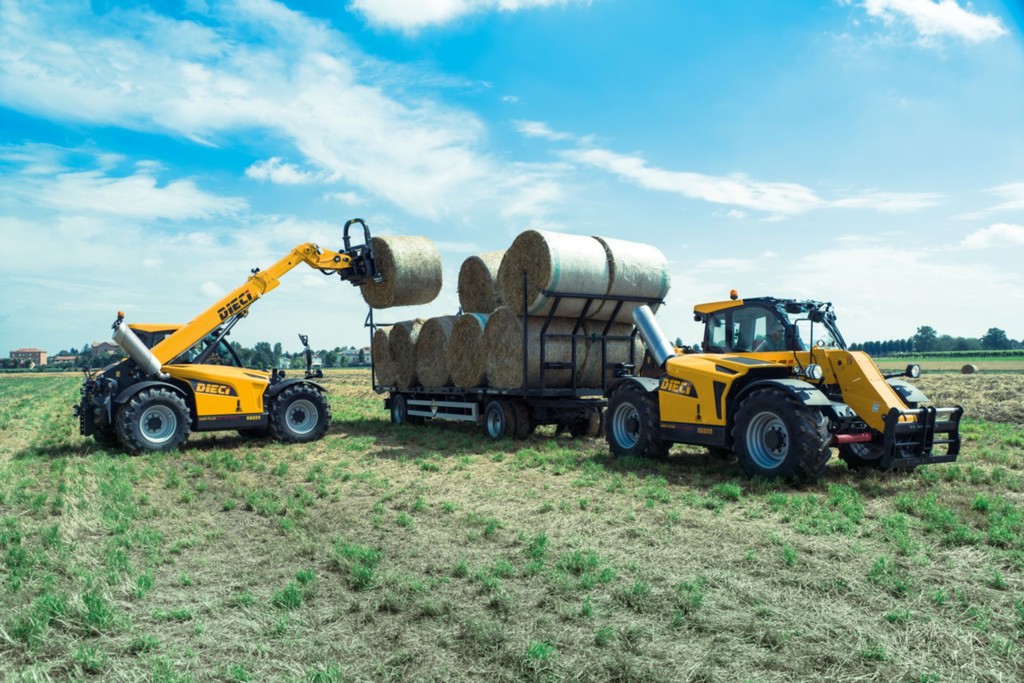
(36, 357)
(356, 356)
(102, 348)
(57, 360)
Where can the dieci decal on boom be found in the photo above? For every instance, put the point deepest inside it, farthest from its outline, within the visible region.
(235, 305)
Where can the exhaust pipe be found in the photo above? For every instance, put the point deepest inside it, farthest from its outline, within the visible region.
(136, 350)
(650, 331)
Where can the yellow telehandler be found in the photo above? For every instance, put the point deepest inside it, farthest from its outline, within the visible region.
(776, 384)
(177, 379)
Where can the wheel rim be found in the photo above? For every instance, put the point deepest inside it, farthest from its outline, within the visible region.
(626, 425)
(158, 424)
(495, 423)
(767, 440)
(302, 416)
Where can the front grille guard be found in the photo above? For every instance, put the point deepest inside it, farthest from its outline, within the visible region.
(910, 443)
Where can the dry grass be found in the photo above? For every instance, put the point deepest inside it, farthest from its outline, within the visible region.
(432, 553)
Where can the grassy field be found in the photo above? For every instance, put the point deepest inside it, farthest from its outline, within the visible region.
(943, 365)
(433, 554)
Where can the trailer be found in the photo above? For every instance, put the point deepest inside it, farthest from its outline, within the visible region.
(504, 412)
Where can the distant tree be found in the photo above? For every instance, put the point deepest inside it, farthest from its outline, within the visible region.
(925, 338)
(995, 339)
(361, 357)
(329, 358)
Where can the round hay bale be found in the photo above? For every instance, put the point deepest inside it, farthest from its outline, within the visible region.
(589, 373)
(467, 359)
(402, 344)
(432, 357)
(383, 365)
(554, 262)
(503, 344)
(478, 283)
(969, 369)
(411, 267)
(636, 269)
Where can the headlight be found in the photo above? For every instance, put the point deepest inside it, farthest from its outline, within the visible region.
(914, 370)
(814, 372)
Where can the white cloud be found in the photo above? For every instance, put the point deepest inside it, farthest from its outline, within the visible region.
(348, 198)
(778, 198)
(277, 171)
(211, 289)
(137, 196)
(412, 15)
(997, 235)
(933, 20)
(539, 129)
(1012, 195)
(302, 83)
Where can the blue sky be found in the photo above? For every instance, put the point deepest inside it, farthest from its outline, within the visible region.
(866, 152)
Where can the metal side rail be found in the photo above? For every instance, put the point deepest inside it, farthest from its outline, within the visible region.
(910, 443)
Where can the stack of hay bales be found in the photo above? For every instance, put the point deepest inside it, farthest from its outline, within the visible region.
(567, 264)
(484, 345)
(411, 275)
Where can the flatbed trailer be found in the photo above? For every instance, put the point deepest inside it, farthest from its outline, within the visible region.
(517, 412)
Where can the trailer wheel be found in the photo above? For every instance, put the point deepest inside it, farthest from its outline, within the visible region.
(499, 419)
(592, 426)
(631, 427)
(400, 411)
(153, 420)
(778, 437)
(299, 414)
(524, 427)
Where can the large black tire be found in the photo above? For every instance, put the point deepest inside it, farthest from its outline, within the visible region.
(499, 419)
(524, 427)
(632, 425)
(778, 437)
(299, 414)
(153, 420)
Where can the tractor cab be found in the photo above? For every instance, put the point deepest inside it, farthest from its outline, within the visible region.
(767, 324)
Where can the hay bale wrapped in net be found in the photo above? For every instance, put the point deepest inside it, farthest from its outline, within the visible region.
(555, 262)
(478, 283)
(411, 268)
(636, 269)
(432, 357)
(503, 344)
(969, 369)
(467, 358)
(402, 344)
(383, 365)
(588, 374)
